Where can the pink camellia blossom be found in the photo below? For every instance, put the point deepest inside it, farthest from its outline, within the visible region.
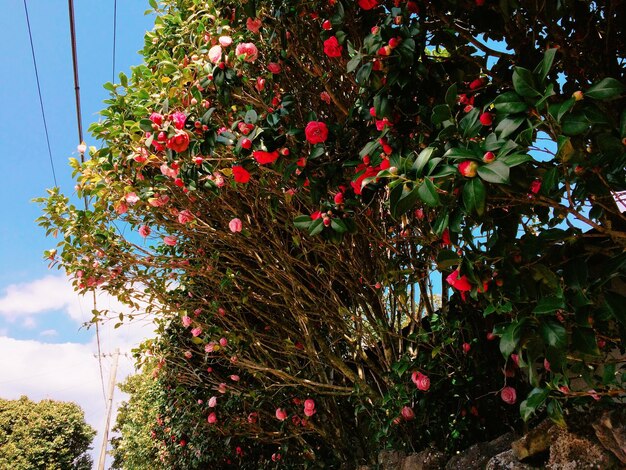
(212, 402)
(188, 354)
(515, 359)
(281, 414)
(468, 168)
(274, 67)
(141, 155)
(276, 457)
(81, 148)
(260, 84)
(234, 378)
(309, 407)
(253, 417)
(212, 419)
(325, 97)
(184, 217)
(178, 119)
(222, 388)
(459, 283)
(210, 347)
(248, 50)
(223, 342)
(407, 413)
(466, 347)
(225, 41)
(156, 118)
(332, 48)
(159, 201)
(215, 54)
(218, 179)
(508, 395)
(186, 321)
(421, 381)
(196, 332)
(169, 240)
(167, 171)
(144, 231)
(254, 25)
(235, 225)
(316, 132)
(546, 365)
(179, 142)
(131, 198)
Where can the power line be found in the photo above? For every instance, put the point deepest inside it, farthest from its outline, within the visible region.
(114, 37)
(43, 114)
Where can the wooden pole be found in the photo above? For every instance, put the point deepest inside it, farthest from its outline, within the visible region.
(105, 436)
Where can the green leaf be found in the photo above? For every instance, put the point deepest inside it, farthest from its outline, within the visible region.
(496, 172)
(338, 225)
(363, 75)
(510, 338)
(543, 68)
(316, 227)
(548, 305)
(535, 399)
(510, 103)
(470, 125)
(607, 89)
(554, 334)
(565, 107)
(422, 159)
(451, 95)
(465, 154)
(317, 151)
(251, 117)
(584, 340)
(406, 201)
(302, 222)
(574, 123)
(447, 259)
(353, 63)
(428, 193)
(474, 195)
(509, 125)
(440, 113)
(555, 413)
(524, 83)
(515, 159)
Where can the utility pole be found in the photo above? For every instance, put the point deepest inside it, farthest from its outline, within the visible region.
(105, 434)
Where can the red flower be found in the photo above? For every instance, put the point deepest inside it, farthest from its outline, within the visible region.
(156, 118)
(240, 174)
(316, 215)
(535, 186)
(421, 381)
(479, 82)
(459, 283)
(508, 395)
(179, 142)
(407, 413)
(327, 25)
(263, 158)
(332, 48)
(486, 119)
(368, 4)
(468, 168)
(274, 67)
(316, 132)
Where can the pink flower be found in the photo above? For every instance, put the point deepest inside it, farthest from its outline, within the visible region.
(169, 240)
(253, 25)
(178, 142)
(407, 413)
(248, 50)
(185, 217)
(196, 332)
(210, 347)
(264, 158)
(253, 417)
(546, 365)
(81, 148)
(515, 359)
(225, 41)
(156, 118)
(460, 283)
(325, 97)
(178, 119)
(274, 67)
(188, 354)
(234, 378)
(281, 414)
(212, 419)
(466, 347)
(421, 381)
(468, 168)
(221, 388)
(309, 407)
(131, 198)
(508, 395)
(144, 231)
(161, 200)
(276, 457)
(212, 402)
(215, 54)
(316, 132)
(260, 84)
(186, 321)
(223, 342)
(235, 225)
(332, 48)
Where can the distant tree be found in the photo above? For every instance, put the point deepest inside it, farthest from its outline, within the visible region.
(45, 435)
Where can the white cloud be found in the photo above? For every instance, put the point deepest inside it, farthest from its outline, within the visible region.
(50, 332)
(29, 322)
(39, 296)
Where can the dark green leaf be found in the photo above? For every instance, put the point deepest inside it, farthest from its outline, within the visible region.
(510, 338)
(422, 159)
(509, 125)
(462, 153)
(605, 90)
(474, 196)
(515, 159)
(451, 95)
(510, 103)
(524, 83)
(447, 259)
(338, 225)
(575, 123)
(428, 193)
(363, 74)
(548, 305)
(554, 334)
(555, 413)
(496, 172)
(302, 222)
(440, 113)
(584, 340)
(406, 201)
(543, 68)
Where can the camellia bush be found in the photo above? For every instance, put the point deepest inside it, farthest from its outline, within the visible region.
(360, 224)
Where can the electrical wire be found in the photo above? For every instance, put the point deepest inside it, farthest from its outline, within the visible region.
(43, 114)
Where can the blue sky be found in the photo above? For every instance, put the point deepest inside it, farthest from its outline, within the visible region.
(44, 352)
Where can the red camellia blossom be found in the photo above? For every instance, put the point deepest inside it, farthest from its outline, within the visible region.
(459, 283)
(421, 381)
(253, 25)
(309, 407)
(327, 25)
(264, 158)
(407, 413)
(332, 48)
(274, 67)
(468, 168)
(179, 142)
(368, 4)
(486, 119)
(179, 119)
(535, 186)
(144, 231)
(248, 50)
(325, 97)
(156, 118)
(281, 414)
(508, 395)
(316, 132)
(479, 82)
(246, 144)
(466, 347)
(240, 174)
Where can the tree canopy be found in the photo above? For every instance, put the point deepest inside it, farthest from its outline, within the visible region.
(44, 435)
(361, 224)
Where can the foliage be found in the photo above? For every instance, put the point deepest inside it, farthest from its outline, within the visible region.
(311, 179)
(44, 435)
